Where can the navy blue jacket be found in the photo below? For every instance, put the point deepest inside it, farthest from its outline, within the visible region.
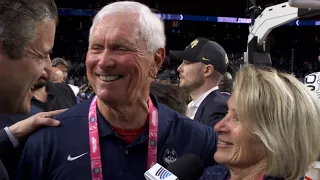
(45, 154)
(3, 172)
(212, 109)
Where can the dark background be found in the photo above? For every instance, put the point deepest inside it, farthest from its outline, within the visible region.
(72, 33)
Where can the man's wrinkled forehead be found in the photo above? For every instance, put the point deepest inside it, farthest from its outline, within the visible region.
(115, 24)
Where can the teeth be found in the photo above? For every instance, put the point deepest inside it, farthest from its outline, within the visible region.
(222, 143)
(33, 86)
(109, 78)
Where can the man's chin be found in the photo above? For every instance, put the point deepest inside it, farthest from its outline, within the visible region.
(184, 87)
(111, 99)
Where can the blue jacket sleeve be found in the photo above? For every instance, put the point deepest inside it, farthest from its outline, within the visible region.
(8, 154)
(6, 147)
(3, 172)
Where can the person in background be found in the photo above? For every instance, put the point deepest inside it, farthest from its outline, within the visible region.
(57, 75)
(27, 31)
(62, 65)
(204, 64)
(164, 77)
(225, 85)
(271, 130)
(170, 95)
(113, 135)
(49, 96)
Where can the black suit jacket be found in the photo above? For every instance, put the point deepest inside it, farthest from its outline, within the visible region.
(226, 95)
(212, 109)
(60, 96)
(9, 154)
(3, 172)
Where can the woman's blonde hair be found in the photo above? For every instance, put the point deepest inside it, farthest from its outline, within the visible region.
(284, 115)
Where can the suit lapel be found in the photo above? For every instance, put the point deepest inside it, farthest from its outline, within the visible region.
(199, 112)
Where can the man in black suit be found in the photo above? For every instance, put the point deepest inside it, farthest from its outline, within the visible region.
(27, 30)
(204, 63)
(10, 148)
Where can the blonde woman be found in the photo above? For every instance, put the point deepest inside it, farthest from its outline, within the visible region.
(271, 131)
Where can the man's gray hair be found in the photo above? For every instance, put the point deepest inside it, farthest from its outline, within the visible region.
(150, 25)
(18, 21)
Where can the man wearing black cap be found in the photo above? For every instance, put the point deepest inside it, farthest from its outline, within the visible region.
(204, 64)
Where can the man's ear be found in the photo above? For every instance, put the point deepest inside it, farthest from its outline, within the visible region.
(209, 69)
(158, 59)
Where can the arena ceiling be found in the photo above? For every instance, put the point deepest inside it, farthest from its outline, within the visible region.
(233, 8)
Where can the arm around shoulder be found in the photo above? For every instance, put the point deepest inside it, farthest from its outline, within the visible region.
(5, 144)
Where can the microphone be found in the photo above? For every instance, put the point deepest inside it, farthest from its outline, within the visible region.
(188, 167)
(157, 172)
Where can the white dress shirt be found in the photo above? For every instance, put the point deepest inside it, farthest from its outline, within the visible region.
(75, 89)
(194, 105)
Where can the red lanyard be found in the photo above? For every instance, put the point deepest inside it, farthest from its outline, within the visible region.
(95, 156)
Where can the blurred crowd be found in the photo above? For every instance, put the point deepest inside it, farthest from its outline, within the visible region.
(72, 43)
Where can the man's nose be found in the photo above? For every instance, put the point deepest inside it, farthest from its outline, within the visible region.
(106, 60)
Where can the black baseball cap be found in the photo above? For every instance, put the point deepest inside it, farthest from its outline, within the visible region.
(205, 51)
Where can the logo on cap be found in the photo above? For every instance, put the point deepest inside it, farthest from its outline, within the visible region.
(194, 43)
(205, 59)
(226, 59)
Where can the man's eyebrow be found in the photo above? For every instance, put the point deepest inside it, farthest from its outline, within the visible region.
(96, 44)
(124, 42)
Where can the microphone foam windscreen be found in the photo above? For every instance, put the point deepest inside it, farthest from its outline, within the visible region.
(188, 167)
